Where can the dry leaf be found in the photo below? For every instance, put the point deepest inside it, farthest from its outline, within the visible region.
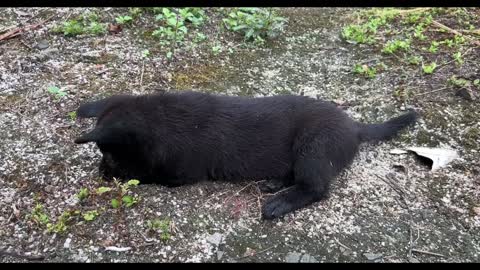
(440, 157)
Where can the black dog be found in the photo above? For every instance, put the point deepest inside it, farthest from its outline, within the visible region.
(182, 138)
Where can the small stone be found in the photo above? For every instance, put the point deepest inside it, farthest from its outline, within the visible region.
(465, 94)
(42, 45)
(67, 243)
(215, 239)
(307, 258)
(220, 255)
(293, 257)
(373, 256)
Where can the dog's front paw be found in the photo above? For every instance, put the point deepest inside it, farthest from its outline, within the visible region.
(275, 207)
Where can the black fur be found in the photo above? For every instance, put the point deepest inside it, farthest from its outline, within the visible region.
(182, 138)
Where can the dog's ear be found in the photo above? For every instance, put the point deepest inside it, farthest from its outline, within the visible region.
(116, 134)
(96, 108)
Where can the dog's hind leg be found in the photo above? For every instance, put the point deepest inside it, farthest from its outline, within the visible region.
(313, 171)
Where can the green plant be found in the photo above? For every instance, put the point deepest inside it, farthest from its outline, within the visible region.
(135, 12)
(418, 33)
(255, 24)
(57, 92)
(216, 49)
(433, 47)
(163, 225)
(476, 82)
(458, 58)
(145, 53)
(459, 82)
(394, 45)
(83, 194)
(199, 37)
(414, 60)
(102, 190)
(124, 19)
(122, 197)
(90, 215)
(72, 28)
(365, 70)
(96, 28)
(428, 69)
(73, 115)
(39, 216)
(61, 225)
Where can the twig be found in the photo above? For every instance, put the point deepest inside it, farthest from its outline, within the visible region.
(429, 92)
(20, 30)
(440, 25)
(141, 75)
(256, 253)
(428, 253)
(344, 246)
(22, 256)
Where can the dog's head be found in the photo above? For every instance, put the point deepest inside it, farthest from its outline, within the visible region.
(119, 134)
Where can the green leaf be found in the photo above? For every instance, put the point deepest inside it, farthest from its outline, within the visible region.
(115, 203)
(133, 182)
(90, 215)
(102, 190)
(82, 194)
(129, 200)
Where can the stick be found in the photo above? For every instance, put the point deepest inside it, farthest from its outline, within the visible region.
(22, 256)
(141, 76)
(18, 31)
(429, 92)
(439, 25)
(428, 253)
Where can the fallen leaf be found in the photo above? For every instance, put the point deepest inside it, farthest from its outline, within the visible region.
(440, 157)
(114, 28)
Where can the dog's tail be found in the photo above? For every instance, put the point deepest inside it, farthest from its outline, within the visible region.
(388, 129)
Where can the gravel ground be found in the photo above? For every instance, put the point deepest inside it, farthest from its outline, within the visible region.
(384, 208)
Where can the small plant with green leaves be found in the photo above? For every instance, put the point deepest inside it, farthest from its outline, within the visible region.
(90, 215)
(122, 195)
(393, 46)
(414, 60)
(96, 28)
(71, 28)
(255, 24)
(56, 92)
(476, 82)
(418, 32)
(135, 12)
(102, 190)
(61, 226)
(458, 58)
(73, 115)
(86, 24)
(39, 216)
(83, 194)
(459, 82)
(145, 54)
(124, 19)
(217, 49)
(433, 47)
(161, 225)
(365, 70)
(428, 69)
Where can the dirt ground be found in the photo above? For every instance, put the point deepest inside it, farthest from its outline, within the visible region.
(384, 208)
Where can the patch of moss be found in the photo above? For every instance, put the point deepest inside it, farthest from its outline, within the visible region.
(194, 77)
(426, 138)
(471, 138)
